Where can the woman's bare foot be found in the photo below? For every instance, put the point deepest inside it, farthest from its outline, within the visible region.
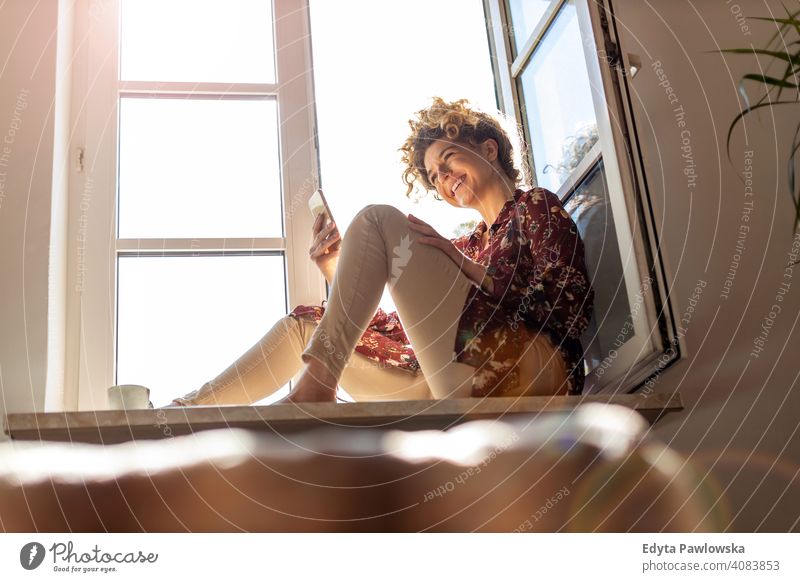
(316, 384)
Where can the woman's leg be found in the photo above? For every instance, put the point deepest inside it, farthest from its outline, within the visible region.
(272, 361)
(428, 289)
(369, 381)
(542, 371)
(261, 370)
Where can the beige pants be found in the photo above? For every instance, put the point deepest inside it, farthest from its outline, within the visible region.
(275, 359)
(429, 291)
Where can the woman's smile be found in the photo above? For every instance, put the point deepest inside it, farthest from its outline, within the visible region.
(458, 187)
(468, 176)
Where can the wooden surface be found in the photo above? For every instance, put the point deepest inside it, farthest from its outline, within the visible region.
(595, 468)
(113, 426)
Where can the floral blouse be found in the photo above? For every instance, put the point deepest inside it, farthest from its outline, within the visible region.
(535, 258)
(383, 341)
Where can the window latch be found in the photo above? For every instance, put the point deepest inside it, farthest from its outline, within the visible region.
(79, 159)
(612, 53)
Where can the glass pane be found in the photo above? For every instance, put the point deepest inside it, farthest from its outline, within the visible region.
(558, 102)
(222, 41)
(183, 320)
(199, 168)
(611, 325)
(340, 36)
(525, 15)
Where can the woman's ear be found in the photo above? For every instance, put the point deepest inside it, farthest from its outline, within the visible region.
(489, 148)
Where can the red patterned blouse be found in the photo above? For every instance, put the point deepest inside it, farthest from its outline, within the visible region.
(535, 259)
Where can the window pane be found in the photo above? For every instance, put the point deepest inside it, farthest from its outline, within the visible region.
(183, 320)
(359, 137)
(199, 168)
(525, 15)
(223, 41)
(611, 325)
(558, 102)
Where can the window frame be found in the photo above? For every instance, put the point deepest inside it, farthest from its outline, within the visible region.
(94, 248)
(658, 344)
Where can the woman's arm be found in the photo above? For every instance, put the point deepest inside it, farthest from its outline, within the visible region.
(474, 271)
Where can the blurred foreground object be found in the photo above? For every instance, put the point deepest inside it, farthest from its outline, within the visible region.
(587, 470)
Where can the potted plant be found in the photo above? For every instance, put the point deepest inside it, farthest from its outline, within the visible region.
(782, 49)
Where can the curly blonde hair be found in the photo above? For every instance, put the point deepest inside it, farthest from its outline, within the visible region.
(455, 121)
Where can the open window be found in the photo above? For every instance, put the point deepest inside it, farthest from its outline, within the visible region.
(568, 96)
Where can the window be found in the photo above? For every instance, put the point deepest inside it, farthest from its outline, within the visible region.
(370, 79)
(196, 150)
(552, 77)
(199, 154)
(196, 126)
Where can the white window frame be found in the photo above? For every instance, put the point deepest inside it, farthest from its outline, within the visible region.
(654, 343)
(94, 248)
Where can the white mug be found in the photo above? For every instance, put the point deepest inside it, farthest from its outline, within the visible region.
(128, 397)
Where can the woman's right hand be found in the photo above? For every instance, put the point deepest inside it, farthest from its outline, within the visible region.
(324, 249)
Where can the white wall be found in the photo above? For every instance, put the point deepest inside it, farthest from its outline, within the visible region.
(741, 410)
(27, 89)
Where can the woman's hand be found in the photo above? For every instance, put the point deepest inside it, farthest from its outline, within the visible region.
(474, 271)
(324, 249)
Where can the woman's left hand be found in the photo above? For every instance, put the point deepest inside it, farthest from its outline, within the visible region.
(474, 271)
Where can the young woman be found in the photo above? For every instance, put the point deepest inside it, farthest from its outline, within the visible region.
(498, 312)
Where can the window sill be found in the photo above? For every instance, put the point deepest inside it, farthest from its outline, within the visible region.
(114, 426)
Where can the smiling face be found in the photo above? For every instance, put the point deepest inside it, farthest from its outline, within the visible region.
(461, 172)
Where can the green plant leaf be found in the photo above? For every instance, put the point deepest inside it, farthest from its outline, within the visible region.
(736, 119)
(792, 17)
(784, 56)
(792, 21)
(780, 53)
(785, 21)
(796, 200)
(770, 80)
(787, 74)
(792, 154)
(779, 33)
(792, 67)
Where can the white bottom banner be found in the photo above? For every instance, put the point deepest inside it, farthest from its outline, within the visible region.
(389, 557)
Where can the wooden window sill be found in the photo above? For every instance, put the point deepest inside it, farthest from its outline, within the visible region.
(113, 426)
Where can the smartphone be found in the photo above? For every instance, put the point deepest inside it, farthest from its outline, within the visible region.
(318, 205)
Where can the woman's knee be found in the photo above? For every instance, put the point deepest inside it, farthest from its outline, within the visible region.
(379, 213)
(289, 323)
(300, 327)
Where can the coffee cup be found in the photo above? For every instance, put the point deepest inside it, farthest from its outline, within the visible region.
(128, 397)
